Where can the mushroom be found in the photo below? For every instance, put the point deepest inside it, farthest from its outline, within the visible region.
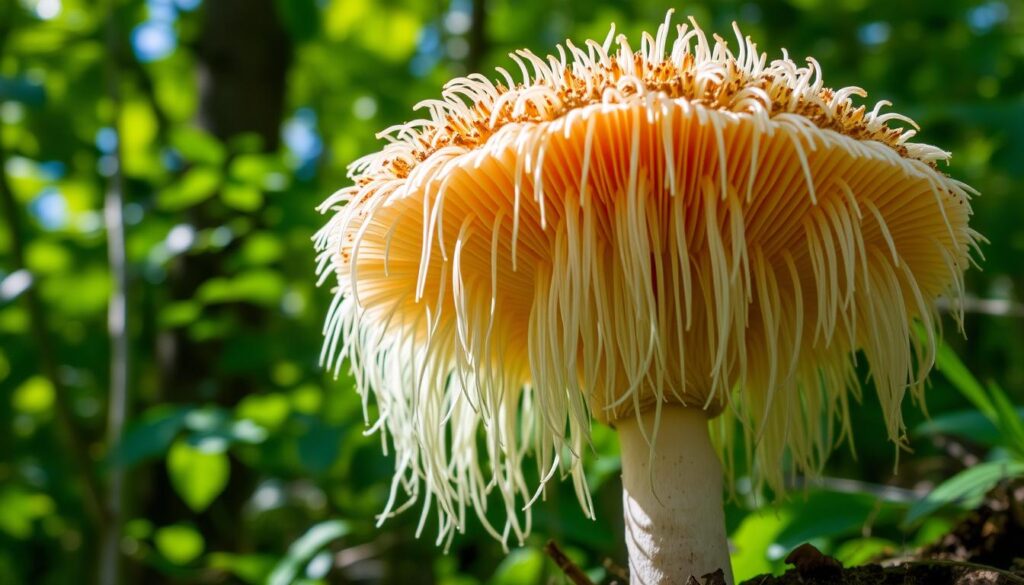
(691, 244)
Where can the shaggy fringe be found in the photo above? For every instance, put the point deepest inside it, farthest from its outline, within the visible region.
(538, 253)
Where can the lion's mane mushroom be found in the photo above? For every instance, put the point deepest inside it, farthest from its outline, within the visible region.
(655, 239)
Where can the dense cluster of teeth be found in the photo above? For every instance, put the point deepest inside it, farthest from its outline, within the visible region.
(474, 108)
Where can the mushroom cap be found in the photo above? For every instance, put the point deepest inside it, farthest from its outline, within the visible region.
(623, 229)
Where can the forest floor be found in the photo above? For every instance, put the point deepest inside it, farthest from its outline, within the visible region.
(985, 548)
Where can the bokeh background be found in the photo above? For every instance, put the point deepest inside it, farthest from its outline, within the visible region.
(163, 418)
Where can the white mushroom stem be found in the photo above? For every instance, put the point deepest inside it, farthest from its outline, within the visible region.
(675, 526)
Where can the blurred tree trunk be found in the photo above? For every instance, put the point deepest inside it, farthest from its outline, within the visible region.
(244, 55)
(478, 42)
(117, 326)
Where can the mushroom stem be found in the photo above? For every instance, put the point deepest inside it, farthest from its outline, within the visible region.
(675, 527)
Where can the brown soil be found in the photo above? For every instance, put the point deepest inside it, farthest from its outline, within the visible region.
(985, 548)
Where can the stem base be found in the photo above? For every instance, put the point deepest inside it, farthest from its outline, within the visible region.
(672, 498)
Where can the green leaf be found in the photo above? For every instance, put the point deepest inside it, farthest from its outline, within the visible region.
(303, 549)
(966, 488)
(138, 528)
(968, 424)
(1010, 421)
(198, 475)
(20, 508)
(306, 399)
(390, 36)
(524, 565)
(957, 373)
(826, 514)
(198, 146)
(753, 540)
(319, 446)
(569, 521)
(994, 403)
(931, 530)
(262, 248)
(215, 290)
(214, 429)
(254, 169)
(259, 286)
(862, 550)
(175, 87)
(241, 197)
(601, 469)
(137, 132)
(38, 39)
(207, 419)
(179, 543)
(19, 89)
(197, 185)
(209, 429)
(179, 314)
(149, 436)
(267, 410)
(35, 396)
(252, 569)
(47, 257)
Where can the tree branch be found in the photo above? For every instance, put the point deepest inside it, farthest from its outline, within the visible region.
(117, 325)
(572, 572)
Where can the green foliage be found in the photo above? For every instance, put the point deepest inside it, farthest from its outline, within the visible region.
(966, 488)
(969, 425)
(251, 569)
(34, 396)
(858, 551)
(20, 508)
(198, 474)
(195, 186)
(149, 436)
(180, 544)
(753, 552)
(996, 422)
(243, 460)
(520, 566)
(303, 549)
